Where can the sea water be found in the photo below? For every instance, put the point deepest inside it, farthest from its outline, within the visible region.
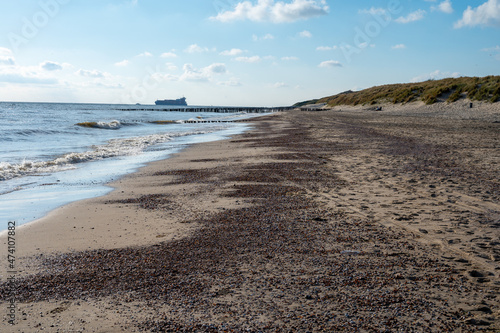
(52, 154)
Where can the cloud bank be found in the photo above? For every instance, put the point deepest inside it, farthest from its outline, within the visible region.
(444, 7)
(276, 12)
(51, 66)
(204, 74)
(252, 59)
(232, 52)
(412, 17)
(91, 74)
(195, 48)
(330, 64)
(399, 47)
(487, 14)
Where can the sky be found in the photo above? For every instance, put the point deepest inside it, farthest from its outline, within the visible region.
(237, 53)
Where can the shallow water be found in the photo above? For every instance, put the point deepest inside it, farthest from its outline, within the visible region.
(53, 154)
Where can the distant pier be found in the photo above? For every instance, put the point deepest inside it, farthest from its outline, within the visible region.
(217, 109)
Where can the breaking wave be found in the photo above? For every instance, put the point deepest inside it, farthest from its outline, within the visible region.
(114, 148)
(114, 124)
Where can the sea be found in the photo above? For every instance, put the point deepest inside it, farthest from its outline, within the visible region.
(52, 154)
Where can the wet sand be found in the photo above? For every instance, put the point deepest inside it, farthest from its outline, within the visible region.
(347, 220)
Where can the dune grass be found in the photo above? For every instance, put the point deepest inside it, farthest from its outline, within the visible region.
(445, 90)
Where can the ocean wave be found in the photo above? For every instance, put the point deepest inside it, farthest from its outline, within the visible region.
(114, 124)
(114, 148)
(31, 132)
(28, 134)
(25, 168)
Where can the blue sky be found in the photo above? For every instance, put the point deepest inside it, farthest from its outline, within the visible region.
(232, 52)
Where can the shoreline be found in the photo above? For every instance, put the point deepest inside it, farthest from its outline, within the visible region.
(319, 220)
(51, 223)
(84, 159)
(99, 186)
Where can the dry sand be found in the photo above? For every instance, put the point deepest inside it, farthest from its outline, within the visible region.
(338, 220)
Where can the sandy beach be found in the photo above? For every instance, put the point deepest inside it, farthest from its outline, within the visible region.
(343, 220)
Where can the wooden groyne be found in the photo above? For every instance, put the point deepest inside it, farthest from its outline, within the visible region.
(217, 109)
(193, 121)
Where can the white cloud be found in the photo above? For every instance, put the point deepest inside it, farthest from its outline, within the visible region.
(195, 48)
(22, 79)
(7, 61)
(170, 66)
(204, 74)
(269, 11)
(280, 85)
(256, 38)
(412, 17)
(25, 75)
(122, 63)
(91, 74)
(252, 59)
(232, 52)
(145, 54)
(6, 56)
(398, 47)
(168, 55)
(216, 68)
(330, 63)
(159, 77)
(488, 14)
(192, 74)
(104, 85)
(289, 58)
(51, 66)
(233, 82)
(5, 52)
(490, 49)
(305, 34)
(326, 48)
(436, 75)
(444, 7)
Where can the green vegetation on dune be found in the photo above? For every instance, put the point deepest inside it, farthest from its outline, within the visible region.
(448, 90)
(312, 101)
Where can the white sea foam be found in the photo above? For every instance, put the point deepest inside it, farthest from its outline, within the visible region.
(114, 124)
(114, 148)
